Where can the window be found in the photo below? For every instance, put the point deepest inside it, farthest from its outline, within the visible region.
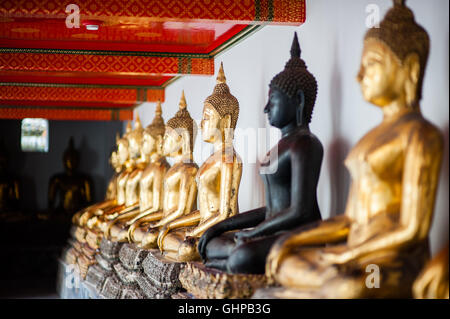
(34, 137)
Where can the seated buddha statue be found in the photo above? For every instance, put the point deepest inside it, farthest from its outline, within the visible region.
(10, 186)
(394, 170)
(82, 216)
(111, 190)
(217, 179)
(137, 162)
(180, 189)
(290, 190)
(150, 183)
(69, 191)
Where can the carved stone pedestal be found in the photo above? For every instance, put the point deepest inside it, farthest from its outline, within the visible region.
(131, 256)
(110, 249)
(96, 276)
(102, 269)
(160, 278)
(208, 283)
(112, 288)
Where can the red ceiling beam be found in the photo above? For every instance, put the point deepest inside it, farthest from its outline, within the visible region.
(13, 93)
(235, 11)
(118, 63)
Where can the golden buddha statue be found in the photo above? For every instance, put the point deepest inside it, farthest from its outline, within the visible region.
(9, 186)
(150, 183)
(85, 214)
(111, 190)
(217, 180)
(432, 282)
(128, 185)
(180, 189)
(394, 170)
(69, 191)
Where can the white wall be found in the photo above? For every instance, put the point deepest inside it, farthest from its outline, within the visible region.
(331, 42)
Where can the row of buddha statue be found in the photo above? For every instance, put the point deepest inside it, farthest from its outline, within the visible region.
(154, 205)
(394, 169)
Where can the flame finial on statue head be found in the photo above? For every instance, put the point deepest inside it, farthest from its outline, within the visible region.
(182, 103)
(128, 128)
(137, 124)
(221, 75)
(158, 110)
(295, 47)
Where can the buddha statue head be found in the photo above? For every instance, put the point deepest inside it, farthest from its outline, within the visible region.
(135, 139)
(71, 157)
(122, 152)
(220, 112)
(292, 92)
(114, 162)
(153, 134)
(394, 59)
(180, 132)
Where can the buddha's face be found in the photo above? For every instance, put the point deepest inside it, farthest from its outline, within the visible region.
(148, 143)
(280, 109)
(172, 142)
(210, 125)
(380, 75)
(134, 147)
(114, 160)
(122, 152)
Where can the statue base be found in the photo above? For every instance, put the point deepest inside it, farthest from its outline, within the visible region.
(131, 256)
(208, 283)
(127, 277)
(110, 249)
(112, 288)
(96, 277)
(160, 277)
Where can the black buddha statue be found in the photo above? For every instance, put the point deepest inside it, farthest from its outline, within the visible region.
(290, 190)
(10, 186)
(70, 191)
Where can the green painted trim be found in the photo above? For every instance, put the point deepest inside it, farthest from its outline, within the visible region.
(257, 10)
(171, 81)
(270, 15)
(115, 53)
(244, 34)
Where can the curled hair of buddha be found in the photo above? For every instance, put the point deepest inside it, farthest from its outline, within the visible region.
(222, 100)
(296, 77)
(183, 120)
(402, 35)
(156, 127)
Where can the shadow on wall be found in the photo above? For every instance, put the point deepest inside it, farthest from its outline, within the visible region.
(339, 146)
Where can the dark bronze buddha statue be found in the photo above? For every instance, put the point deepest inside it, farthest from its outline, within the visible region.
(70, 191)
(9, 186)
(290, 188)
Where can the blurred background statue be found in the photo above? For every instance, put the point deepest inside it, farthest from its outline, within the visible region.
(69, 191)
(10, 186)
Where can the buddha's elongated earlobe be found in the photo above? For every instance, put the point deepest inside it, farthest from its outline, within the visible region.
(300, 108)
(413, 64)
